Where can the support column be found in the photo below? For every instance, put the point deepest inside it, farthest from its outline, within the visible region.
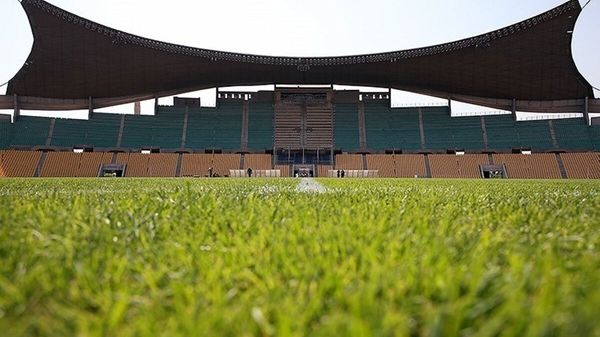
(514, 109)
(486, 142)
(121, 128)
(155, 105)
(362, 126)
(421, 129)
(185, 127)
(428, 167)
(137, 108)
(50, 132)
(586, 111)
(553, 134)
(17, 112)
(90, 107)
(245, 125)
(450, 105)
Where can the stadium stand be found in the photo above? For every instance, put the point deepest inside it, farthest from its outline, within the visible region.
(163, 130)
(20, 163)
(323, 170)
(222, 163)
(385, 164)
(572, 134)
(445, 132)
(582, 165)
(260, 126)
(534, 135)
(389, 128)
(215, 128)
(534, 166)
(162, 164)
(2, 173)
(31, 131)
(410, 165)
(501, 132)
(595, 136)
(348, 162)
(285, 170)
(61, 164)
(319, 127)
(196, 165)
(346, 127)
(90, 163)
(453, 166)
(101, 131)
(6, 132)
(258, 161)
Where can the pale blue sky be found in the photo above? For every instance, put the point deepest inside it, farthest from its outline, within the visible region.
(304, 27)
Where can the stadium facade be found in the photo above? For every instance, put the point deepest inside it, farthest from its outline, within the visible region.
(79, 64)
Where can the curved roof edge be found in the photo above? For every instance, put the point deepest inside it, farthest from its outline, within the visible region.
(528, 61)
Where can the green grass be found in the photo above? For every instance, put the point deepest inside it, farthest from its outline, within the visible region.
(256, 258)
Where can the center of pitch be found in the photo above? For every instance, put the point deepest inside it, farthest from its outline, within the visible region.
(309, 185)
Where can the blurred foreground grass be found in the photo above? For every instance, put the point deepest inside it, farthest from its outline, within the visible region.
(256, 258)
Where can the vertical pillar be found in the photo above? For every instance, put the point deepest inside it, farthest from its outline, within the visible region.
(450, 105)
(486, 141)
(245, 125)
(155, 105)
(17, 112)
(185, 127)
(553, 134)
(421, 129)
(137, 108)
(90, 107)
(362, 126)
(514, 109)
(586, 110)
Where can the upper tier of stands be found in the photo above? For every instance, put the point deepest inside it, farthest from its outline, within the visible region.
(220, 128)
(389, 128)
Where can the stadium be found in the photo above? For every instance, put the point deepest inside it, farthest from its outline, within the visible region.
(313, 130)
(444, 224)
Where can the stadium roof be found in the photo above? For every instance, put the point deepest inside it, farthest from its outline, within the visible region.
(74, 59)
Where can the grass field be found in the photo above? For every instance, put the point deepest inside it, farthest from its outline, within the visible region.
(256, 258)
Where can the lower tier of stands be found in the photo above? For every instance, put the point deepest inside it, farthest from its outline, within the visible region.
(469, 166)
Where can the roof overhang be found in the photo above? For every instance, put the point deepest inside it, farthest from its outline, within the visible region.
(73, 59)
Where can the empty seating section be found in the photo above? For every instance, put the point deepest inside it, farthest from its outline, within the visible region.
(323, 170)
(102, 130)
(31, 131)
(501, 131)
(582, 165)
(453, 166)
(149, 165)
(196, 165)
(2, 173)
(61, 164)
(505, 134)
(222, 163)
(535, 166)
(319, 127)
(346, 127)
(383, 163)
(389, 128)
(258, 161)
(445, 132)
(535, 135)
(410, 165)
(260, 126)
(285, 170)
(165, 130)
(572, 134)
(348, 162)
(90, 163)
(595, 136)
(218, 128)
(19, 163)
(288, 126)
(6, 133)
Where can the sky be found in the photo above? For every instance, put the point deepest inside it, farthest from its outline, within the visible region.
(301, 28)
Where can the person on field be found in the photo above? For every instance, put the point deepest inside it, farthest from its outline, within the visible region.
(210, 172)
(249, 172)
(343, 173)
(338, 173)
